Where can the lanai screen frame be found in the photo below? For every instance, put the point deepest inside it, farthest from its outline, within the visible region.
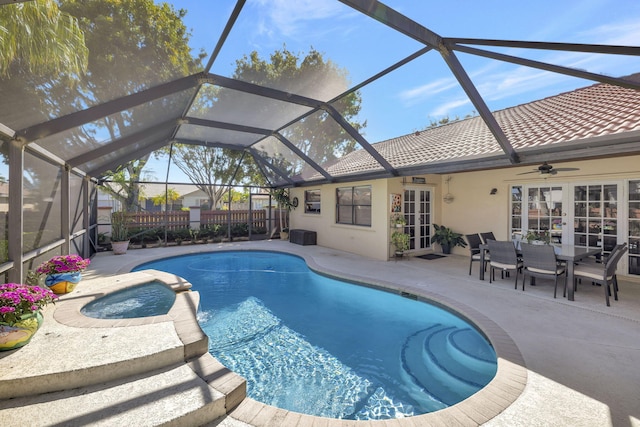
(28, 141)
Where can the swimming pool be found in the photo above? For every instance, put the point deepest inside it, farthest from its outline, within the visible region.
(312, 344)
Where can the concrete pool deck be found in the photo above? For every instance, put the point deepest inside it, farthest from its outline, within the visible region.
(581, 359)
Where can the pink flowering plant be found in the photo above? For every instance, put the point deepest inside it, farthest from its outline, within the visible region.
(63, 264)
(17, 301)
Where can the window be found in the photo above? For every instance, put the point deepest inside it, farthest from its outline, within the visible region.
(354, 205)
(312, 201)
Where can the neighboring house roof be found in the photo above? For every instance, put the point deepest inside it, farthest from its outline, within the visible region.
(591, 115)
(152, 189)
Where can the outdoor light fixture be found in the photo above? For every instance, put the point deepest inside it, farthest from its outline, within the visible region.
(493, 191)
(448, 198)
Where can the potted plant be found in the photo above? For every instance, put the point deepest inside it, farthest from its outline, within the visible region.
(284, 234)
(401, 242)
(447, 238)
(20, 315)
(398, 220)
(119, 232)
(63, 272)
(281, 195)
(537, 237)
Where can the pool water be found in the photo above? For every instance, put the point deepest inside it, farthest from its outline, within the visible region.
(149, 299)
(316, 345)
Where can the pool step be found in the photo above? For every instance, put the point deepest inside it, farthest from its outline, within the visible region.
(174, 395)
(154, 373)
(446, 366)
(57, 358)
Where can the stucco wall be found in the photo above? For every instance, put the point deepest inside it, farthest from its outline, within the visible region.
(367, 241)
(473, 209)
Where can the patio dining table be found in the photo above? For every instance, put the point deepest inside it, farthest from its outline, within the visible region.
(568, 253)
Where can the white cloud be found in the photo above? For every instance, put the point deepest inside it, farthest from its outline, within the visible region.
(421, 93)
(447, 109)
(291, 17)
(626, 33)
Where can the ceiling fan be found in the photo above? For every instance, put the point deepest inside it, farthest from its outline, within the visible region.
(547, 169)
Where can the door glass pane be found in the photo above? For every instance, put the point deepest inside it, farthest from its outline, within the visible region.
(544, 213)
(595, 219)
(516, 212)
(634, 228)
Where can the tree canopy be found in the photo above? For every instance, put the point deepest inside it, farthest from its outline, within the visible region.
(215, 169)
(317, 135)
(123, 36)
(210, 169)
(37, 38)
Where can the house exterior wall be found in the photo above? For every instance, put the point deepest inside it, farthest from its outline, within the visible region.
(371, 241)
(473, 209)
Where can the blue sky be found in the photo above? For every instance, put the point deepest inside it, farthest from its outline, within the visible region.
(410, 98)
(425, 90)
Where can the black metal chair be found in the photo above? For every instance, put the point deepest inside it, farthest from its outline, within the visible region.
(540, 261)
(474, 242)
(487, 236)
(503, 258)
(604, 274)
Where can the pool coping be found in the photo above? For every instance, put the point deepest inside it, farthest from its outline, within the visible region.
(182, 313)
(69, 312)
(504, 389)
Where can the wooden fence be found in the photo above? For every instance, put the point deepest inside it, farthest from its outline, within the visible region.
(176, 220)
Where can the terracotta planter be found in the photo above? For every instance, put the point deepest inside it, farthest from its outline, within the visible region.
(63, 283)
(19, 334)
(120, 248)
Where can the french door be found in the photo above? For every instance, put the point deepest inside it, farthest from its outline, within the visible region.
(540, 209)
(418, 205)
(589, 215)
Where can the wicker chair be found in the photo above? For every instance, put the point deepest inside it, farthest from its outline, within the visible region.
(487, 236)
(540, 261)
(503, 258)
(604, 274)
(474, 246)
(600, 259)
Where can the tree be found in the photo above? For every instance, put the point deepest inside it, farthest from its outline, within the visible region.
(208, 168)
(445, 120)
(166, 198)
(124, 189)
(36, 38)
(41, 50)
(133, 45)
(317, 135)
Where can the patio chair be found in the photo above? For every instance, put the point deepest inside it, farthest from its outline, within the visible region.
(503, 258)
(474, 247)
(540, 261)
(604, 274)
(487, 236)
(602, 259)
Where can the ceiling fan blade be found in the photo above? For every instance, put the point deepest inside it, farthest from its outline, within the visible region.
(566, 169)
(526, 173)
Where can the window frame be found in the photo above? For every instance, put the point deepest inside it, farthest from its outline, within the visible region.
(308, 204)
(354, 209)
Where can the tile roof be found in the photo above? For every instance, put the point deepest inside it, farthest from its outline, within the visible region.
(599, 110)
